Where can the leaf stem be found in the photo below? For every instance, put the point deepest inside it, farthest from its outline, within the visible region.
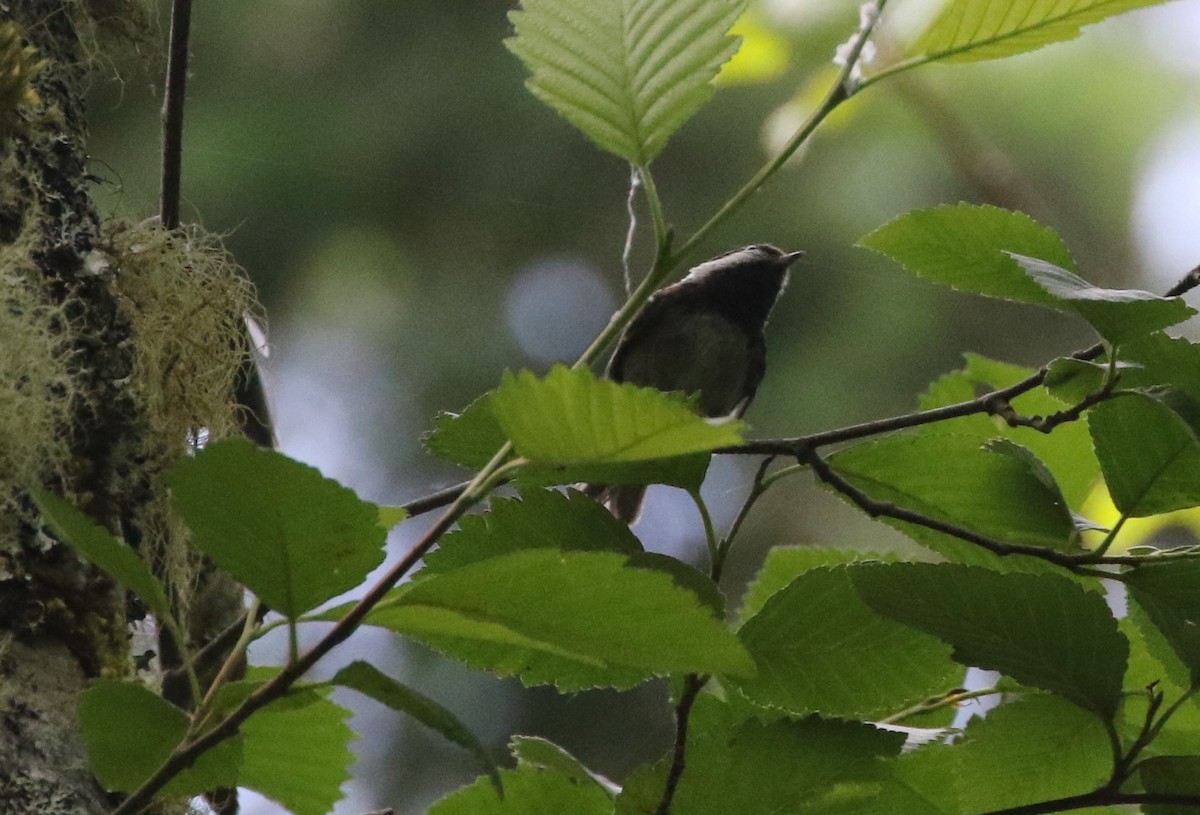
(1102, 549)
(839, 92)
(897, 68)
(710, 536)
(661, 233)
(169, 622)
(761, 485)
(952, 699)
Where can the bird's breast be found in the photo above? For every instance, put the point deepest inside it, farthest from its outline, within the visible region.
(698, 352)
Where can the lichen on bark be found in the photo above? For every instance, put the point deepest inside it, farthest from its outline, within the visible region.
(122, 345)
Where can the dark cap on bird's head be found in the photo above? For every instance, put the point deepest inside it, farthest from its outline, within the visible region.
(745, 283)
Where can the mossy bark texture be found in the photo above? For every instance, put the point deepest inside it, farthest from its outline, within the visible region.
(61, 622)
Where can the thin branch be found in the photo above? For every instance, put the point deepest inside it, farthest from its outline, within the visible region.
(1174, 707)
(692, 685)
(172, 113)
(838, 93)
(1098, 798)
(881, 508)
(1124, 764)
(216, 650)
(188, 752)
(237, 654)
(436, 500)
(987, 403)
(1045, 424)
(760, 486)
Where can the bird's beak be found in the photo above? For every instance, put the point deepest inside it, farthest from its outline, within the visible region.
(788, 258)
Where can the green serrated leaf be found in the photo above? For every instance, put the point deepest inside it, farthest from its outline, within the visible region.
(973, 30)
(473, 437)
(1042, 630)
(963, 247)
(574, 619)
(528, 790)
(815, 766)
(98, 547)
(951, 478)
(1149, 455)
(1067, 452)
(1038, 748)
(1171, 775)
(1117, 315)
(1168, 594)
(390, 517)
(570, 416)
(1024, 751)
(819, 648)
(1162, 360)
(469, 438)
(685, 576)
(370, 681)
(531, 751)
(540, 519)
(297, 752)
(998, 253)
(1070, 380)
(293, 538)
(1025, 458)
(627, 73)
(785, 563)
(930, 775)
(129, 731)
(1154, 664)
(686, 472)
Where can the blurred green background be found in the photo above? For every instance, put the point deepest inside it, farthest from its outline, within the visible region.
(416, 222)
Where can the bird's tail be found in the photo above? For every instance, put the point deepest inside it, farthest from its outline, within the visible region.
(622, 500)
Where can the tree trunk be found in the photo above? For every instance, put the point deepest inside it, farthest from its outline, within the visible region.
(68, 422)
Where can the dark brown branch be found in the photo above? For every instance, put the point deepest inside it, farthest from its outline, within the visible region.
(881, 508)
(988, 403)
(1045, 424)
(436, 500)
(1099, 798)
(228, 727)
(692, 685)
(172, 113)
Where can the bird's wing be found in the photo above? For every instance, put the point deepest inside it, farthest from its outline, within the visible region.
(754, 373)
(634, 332)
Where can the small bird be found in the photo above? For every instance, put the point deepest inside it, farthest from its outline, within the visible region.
(702, 336)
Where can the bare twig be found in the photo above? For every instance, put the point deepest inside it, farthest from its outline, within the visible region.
(881, 508)
(436, 500)
(692, 685)
(172, 113)
(1045, 424)
(996, 402)
(1098, 798)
